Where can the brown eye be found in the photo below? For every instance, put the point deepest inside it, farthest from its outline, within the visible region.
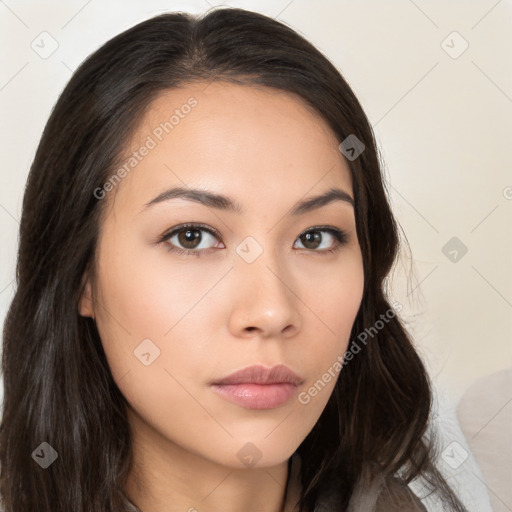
(313, 239)
(188, 239)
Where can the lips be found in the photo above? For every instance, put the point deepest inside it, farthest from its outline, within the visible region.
(258, 387)
(258, 374)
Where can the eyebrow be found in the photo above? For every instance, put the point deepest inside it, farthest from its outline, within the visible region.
(222, 202)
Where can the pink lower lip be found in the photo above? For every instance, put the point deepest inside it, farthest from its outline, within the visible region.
(256, 396)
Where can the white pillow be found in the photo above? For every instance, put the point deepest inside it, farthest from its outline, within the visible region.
(485, 417)
(455, 461)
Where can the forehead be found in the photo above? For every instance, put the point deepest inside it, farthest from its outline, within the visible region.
(255, 142)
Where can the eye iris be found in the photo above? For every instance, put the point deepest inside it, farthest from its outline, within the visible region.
(311, 237)
(189, 236)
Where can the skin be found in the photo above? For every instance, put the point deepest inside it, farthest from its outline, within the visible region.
(211, 315)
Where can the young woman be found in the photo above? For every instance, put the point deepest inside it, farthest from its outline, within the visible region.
(200, 321)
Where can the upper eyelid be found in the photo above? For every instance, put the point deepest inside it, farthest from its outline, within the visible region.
(200, 227)
(213, 231)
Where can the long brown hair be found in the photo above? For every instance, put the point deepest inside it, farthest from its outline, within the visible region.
(58, 387)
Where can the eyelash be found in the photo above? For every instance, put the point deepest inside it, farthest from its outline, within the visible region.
(340, 237)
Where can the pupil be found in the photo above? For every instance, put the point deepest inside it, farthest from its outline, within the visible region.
(312, 238)
(188, 237)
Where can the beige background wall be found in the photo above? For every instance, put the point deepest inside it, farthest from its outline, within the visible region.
(442, 117)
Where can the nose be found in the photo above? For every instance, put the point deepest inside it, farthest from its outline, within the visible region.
(264, 301)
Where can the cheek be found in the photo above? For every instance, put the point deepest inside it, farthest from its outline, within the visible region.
(145, 292)
(155, 340)
(154, 310)
(338, 300)
(335, 308)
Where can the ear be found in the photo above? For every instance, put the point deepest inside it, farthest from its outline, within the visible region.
(86, 305)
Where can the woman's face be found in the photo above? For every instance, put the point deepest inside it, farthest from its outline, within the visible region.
(256, 290)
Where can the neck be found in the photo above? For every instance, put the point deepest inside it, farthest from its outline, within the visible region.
(164, 473)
